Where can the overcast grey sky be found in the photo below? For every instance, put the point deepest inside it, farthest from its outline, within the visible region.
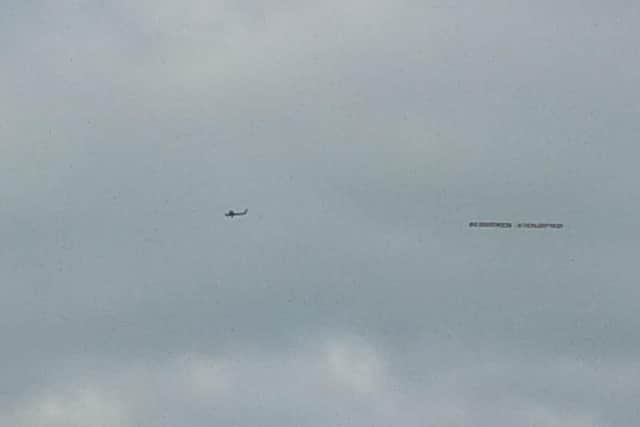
(362, 137)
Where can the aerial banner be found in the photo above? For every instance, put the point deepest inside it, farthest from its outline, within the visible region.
(533, 225)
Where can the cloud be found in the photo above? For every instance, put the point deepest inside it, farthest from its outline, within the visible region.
(74, 408)
(341, 380)
(363, 139)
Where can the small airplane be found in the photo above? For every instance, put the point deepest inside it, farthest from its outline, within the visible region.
(231, 213)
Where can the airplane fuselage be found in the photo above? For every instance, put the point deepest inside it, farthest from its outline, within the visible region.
(231, 214)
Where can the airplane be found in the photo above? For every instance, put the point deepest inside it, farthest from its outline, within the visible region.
(231, 213)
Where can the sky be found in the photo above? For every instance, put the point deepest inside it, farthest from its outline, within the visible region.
(362, 137)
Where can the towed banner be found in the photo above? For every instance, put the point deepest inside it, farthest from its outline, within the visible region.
(490, 224)
(485, 224)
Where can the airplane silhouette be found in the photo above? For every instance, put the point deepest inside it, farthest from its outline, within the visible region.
(231, 213)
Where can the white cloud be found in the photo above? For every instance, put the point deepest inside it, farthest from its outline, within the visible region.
(74, 407)
(363, 136)
(203, 376)
(355, 366)
(338, 380)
